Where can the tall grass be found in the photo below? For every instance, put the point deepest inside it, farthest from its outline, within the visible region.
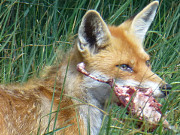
(32, 30)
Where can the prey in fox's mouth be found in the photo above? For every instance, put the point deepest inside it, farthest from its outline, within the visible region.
(139, 101)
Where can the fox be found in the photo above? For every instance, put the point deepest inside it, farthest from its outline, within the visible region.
(64, 101)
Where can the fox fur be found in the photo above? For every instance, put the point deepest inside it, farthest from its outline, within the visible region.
(108, 52)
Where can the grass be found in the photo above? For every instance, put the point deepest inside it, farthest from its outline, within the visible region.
(32, 30)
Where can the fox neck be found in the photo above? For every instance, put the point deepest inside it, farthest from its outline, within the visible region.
(97, 94)
(90, 92)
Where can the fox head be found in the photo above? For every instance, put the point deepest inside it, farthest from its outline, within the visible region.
(117, 51)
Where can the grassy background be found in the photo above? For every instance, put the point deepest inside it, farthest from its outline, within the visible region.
(31, 31)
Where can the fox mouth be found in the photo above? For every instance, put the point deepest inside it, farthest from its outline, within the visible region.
(139, 101)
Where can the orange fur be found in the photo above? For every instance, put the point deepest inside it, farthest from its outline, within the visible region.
(24, 107)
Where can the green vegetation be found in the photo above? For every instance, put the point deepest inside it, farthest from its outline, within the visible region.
(32, 30)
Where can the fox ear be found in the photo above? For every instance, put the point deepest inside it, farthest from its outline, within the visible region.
(143, 20)
(93, 33)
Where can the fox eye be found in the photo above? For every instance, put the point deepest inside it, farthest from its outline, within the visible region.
(125, 67)
(148, 63)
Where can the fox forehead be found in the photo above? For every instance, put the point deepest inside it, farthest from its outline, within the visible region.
(123, 48)
(126, 45)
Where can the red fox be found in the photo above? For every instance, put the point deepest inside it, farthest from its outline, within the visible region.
(76, 100)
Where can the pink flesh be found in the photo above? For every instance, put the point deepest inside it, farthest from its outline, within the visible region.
(142, 104)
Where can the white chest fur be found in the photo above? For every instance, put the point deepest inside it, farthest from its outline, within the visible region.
(96, 95)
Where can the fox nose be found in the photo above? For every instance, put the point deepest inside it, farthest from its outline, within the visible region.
(166, 87)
